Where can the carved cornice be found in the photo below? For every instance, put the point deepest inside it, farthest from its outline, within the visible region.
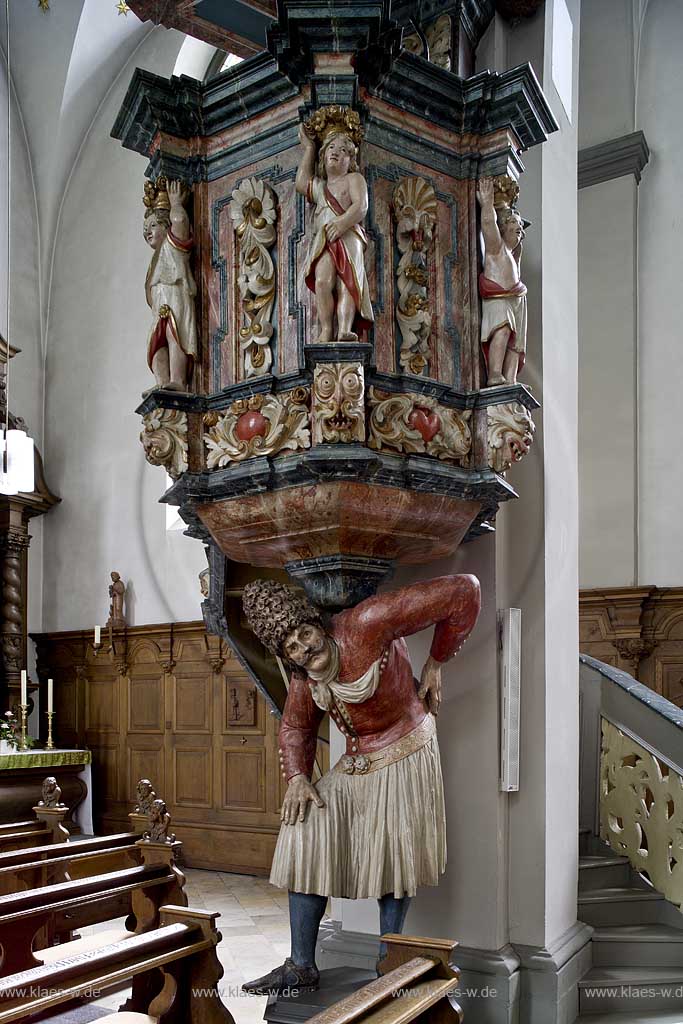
(615, 158)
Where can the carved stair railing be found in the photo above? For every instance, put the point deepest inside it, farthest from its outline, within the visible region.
(631, 776)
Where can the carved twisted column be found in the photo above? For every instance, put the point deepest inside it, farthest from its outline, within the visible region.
(12, 631)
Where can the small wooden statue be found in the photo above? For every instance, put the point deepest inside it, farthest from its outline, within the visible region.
(146, 797)
(159, 821)
(117, 589)
(502, 291)
(329, 178)
(52, 793)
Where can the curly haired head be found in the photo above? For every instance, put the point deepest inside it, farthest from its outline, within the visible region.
(273, 610)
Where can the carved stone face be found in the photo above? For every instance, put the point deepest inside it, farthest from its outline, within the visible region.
(308, 647)
(154, 231)
(338, 410)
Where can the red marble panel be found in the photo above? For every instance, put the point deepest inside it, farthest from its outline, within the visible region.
(307, 521)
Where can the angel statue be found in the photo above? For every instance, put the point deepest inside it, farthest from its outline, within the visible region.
(502, 291)
(330, 179)
(170, 287)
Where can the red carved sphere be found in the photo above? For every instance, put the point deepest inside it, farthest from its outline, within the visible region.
(251, 424)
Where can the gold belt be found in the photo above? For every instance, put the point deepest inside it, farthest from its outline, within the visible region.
(362, 764)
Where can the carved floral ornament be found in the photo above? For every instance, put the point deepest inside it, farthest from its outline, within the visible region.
(415, 212)
(510, 434)
(641, 810)
(258, 425)
(254, 213)
(409, 423)
(164, 438)
(338, 403)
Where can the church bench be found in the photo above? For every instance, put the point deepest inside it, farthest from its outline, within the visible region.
(36, 917)
(66, 862)
(417, 982)
(173, 968)
(96, 844)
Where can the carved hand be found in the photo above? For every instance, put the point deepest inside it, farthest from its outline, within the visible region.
(430, 684)
(176, 193)
(336, 229)
(305, 139)
(298, 794)
(485, 191)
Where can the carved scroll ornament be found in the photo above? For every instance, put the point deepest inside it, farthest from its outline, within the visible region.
(254, 214)
(338, 403)
(438, 36)
(258, 425)
(409, 423)
(415, 211)
(641, 810)
(510, 434)
(164, 439)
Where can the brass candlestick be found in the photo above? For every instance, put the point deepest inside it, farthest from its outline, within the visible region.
(23, 708)
(50, 745)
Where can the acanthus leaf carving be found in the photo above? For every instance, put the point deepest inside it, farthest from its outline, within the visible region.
(439, 38)
(338, 408)
(418, 424)
(258, 425)
(164, 438)
(510, 434)
(415, 211)
(254, 214)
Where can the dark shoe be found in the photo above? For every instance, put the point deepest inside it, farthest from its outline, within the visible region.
(289, 977)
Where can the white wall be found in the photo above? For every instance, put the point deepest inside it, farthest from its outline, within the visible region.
(660, 322)
(608, 404)
(631, 356)
(26, 373)
(96, 370)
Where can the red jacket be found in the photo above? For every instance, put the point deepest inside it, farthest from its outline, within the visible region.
(362, 635)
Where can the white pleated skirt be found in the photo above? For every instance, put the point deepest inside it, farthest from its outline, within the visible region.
(384, 832)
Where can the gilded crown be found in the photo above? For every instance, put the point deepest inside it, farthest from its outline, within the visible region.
(505, 192)
(332, 120)
(156, 195)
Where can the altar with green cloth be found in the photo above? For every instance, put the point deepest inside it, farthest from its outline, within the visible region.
(21, 778)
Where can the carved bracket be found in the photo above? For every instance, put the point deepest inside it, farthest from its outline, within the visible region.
(410, 423)
(338, 408)
(259, 425)
(415, 212)
(164, 438)
(254, 213)
(510, 434)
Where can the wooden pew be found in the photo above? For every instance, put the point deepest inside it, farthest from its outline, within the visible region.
(31, 920)
(416, 978)
(174, 970)
(23, 864)
(65, 862)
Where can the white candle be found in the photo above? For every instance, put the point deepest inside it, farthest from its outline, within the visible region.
(49, 695)
(97, 634)
(24, 697)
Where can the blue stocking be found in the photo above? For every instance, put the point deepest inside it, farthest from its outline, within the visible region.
(392, 916)
(305, 914)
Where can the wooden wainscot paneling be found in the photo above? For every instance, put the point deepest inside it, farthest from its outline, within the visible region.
(172, 704)
(637, 629)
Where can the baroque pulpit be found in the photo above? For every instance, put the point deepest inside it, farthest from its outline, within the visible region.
(319, 278)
